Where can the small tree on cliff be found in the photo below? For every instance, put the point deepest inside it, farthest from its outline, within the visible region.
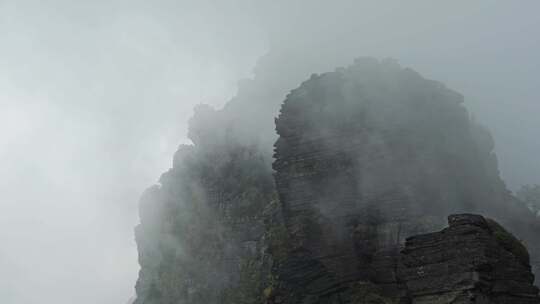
(530, 195)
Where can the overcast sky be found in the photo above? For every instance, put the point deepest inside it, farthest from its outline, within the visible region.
(95, 96)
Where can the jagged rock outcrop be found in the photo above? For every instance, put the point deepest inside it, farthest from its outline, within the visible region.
(366, 156)
(202, 236)
(201, 231)
(363, 155)
(474, 260)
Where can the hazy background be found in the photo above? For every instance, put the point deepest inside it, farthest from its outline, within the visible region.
(95, 96)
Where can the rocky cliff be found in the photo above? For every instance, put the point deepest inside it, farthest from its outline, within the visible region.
(201, 237)
(366, 156)
(474, 260)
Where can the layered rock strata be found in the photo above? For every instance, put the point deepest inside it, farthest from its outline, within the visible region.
(474, 260)
(367, 156)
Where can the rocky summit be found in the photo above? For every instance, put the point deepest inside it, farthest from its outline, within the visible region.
(369, 160)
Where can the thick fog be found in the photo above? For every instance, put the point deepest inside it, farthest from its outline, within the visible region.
(95, 97)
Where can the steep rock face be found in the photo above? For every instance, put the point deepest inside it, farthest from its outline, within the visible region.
(201, 239)
(367, 156)
(474, 260)
(205, 245)
(200, 234)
